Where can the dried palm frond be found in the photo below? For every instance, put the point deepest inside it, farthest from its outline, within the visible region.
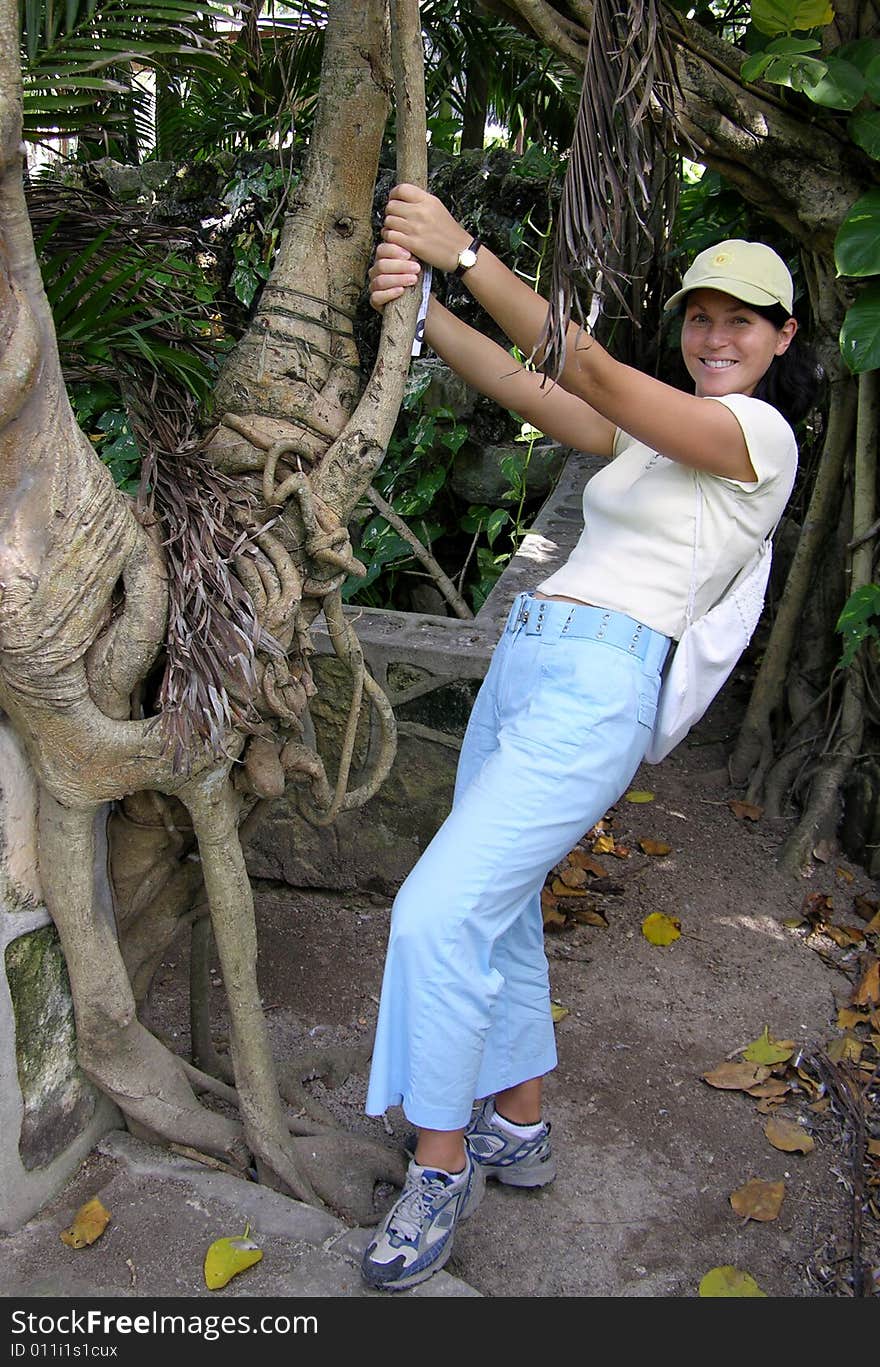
(617, 184)
(213, 633)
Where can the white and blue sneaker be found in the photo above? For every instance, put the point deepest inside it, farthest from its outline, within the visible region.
(515, 1155)
(415, 1238)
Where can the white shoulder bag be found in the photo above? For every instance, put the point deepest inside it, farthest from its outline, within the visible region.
(709, 647)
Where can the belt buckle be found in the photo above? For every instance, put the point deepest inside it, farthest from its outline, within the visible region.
(522, 615)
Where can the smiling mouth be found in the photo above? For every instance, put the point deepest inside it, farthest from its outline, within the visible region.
(716, 365)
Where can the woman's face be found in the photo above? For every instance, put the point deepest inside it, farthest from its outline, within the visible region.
(726, 346)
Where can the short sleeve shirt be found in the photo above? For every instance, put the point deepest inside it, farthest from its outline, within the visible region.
(636, 552)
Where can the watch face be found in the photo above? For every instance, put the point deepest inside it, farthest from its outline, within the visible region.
(466, 259)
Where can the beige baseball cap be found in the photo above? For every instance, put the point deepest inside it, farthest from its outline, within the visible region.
(750, 271)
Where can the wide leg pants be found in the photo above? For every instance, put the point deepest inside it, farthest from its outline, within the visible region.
(559, 727)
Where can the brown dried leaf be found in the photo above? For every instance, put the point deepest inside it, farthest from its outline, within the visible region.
(844, 874)
(736, 1076)
(865, 909)
(867, 990)
(844, 1047)
(582, 860)
(775, 1087)
(788, 1136)
(621, 851)
(588, 916)
(816, 907)
(89, 1224)
(844, 936)
(847, 1017)
(768, 1104)
(553, 919)
(656, 847)
(573, 877)
(758, 1200)
(745, 811)
(603, 844)
(821, 1105)
(873, 1147)
(561, 889)
(873, 926)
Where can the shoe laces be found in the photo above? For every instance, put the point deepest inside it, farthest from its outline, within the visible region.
(414, 1205)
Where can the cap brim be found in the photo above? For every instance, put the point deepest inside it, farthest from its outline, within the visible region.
(738, 289)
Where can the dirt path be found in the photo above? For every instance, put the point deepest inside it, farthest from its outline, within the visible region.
(649, 1154)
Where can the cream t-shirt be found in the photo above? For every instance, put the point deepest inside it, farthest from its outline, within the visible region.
(636, 551)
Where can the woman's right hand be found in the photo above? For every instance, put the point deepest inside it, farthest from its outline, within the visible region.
(394, 269)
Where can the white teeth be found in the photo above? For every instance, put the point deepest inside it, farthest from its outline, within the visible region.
(718, 365)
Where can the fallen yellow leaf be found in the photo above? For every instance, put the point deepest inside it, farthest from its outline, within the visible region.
(658, 847)
(558, 1012)
(873, 1147)
(561, 889)
(844, 936)
(767, 1050)
(660, 929)
(639, 795)
(89, 1224)
(227, 1257)
(729, 1281)
(603, 844)
(788, 1136)
(847, 1017)
(736, 1077)
(758, 1200)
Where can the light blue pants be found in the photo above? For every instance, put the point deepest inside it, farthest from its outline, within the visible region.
(558, 729)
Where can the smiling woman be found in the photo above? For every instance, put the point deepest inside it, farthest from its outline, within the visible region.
(567, 709)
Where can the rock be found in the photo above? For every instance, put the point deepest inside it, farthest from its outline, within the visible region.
(478, 477)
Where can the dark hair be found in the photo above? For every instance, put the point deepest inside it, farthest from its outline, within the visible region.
(793, 382)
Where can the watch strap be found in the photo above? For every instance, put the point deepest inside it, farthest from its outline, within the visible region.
(474, 246)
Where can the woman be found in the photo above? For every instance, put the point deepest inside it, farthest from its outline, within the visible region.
(563, 718)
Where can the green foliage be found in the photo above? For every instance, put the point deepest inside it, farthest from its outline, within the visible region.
(98, 411)
(858, 622)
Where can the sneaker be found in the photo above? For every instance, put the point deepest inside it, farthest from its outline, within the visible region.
(506, 1158)
(415, 1238)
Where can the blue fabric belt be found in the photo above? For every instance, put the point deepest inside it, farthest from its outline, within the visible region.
(545, 617)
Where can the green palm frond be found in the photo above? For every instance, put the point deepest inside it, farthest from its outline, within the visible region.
(78, 58)
(121, 291)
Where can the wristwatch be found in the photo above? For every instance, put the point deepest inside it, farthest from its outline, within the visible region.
(467, 257)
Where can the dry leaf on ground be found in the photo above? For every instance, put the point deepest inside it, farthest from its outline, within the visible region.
(729, 1281)
(603, 844)
(746, 811)
(588, 916)
(867, 991)
(656, 847)
(773, 1089)
(758, 1200)
(844, 936)
(660, 929)
(844, 1047)
(227, 1257)
(639, 795)
(848, 1016)
(767, 1050)
(788, 1136)
(573, 877)
(89, 1224)
(582, 860)
(736, 1077)
(558, 1011)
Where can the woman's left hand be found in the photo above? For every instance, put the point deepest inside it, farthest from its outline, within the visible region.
(421, 224)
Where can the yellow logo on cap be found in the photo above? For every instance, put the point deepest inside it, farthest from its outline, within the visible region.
(721, 258)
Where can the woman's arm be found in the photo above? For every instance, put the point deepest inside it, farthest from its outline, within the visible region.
(487, 367)
(694, 431)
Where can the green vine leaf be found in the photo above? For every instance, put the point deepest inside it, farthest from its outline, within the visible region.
(784, 16)
(864, 129)
(842, 86)
(857, 246)
(858, 621)
(860, 334)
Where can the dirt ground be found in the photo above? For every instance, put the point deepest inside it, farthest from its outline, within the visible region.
(649, 1153)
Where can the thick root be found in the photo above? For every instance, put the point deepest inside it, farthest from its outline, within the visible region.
(344, 1171)
(331, 1065)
